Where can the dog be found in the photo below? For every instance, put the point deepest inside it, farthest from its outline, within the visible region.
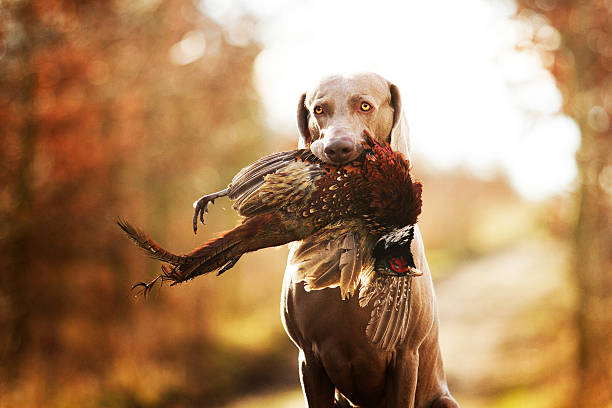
(338, 365)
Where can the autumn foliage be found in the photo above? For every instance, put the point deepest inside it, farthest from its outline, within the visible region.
(97, 119)
(137, 108)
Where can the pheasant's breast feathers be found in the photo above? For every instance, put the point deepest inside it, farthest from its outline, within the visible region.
(334, 197)
(394, 197)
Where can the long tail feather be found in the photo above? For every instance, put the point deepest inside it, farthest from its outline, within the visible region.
(151, 248)
(221, 253)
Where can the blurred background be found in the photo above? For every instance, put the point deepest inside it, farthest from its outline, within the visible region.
(137, 107)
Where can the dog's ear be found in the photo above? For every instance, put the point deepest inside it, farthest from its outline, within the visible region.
(302, 123)
(400, 134)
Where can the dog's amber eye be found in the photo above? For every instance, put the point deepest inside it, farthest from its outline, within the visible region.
(365, 106)
(318, 110)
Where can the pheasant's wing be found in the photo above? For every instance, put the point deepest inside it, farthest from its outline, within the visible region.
(251, 178)
(287, 188)
(390, 297)
(338, 255)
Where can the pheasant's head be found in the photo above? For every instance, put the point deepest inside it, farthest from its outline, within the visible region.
(393, 253)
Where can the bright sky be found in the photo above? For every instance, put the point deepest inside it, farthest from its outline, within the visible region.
(470, 97)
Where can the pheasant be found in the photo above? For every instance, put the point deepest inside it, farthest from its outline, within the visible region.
(352, 221)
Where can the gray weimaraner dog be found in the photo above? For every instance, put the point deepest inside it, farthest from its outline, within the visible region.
(339, 365)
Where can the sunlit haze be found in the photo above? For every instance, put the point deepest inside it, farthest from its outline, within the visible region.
(115, 116)
(471, 97)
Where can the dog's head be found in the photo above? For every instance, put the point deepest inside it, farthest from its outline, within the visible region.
(334, 117)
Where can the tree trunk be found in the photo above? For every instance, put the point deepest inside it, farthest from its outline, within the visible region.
(593, 269)
(583, 71)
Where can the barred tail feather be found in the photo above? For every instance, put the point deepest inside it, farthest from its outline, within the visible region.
(221, 253)
(218, 254)
(151, 248)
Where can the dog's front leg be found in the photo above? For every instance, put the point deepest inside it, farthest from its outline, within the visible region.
(402, 381)
(318, 388)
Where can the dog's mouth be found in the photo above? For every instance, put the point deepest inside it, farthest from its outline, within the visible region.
(341, 150)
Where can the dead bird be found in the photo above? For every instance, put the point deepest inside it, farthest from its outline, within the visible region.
(291, 196)
(355, 223)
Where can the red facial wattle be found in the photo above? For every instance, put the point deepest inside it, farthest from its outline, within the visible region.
(399, 265)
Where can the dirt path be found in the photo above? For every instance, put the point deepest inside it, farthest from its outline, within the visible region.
(504, 322)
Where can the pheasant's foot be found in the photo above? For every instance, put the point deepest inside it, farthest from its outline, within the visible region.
(146, 287)
(201, 207)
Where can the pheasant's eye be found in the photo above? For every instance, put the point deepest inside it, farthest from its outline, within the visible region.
(318, 110)
(365, 106)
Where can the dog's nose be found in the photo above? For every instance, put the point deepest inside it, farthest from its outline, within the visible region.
(339, 149)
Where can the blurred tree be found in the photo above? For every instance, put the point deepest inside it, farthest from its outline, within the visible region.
(574, 39)
(106, 108)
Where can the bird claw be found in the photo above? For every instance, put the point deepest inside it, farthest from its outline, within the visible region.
(146, 287)
(201, 207)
